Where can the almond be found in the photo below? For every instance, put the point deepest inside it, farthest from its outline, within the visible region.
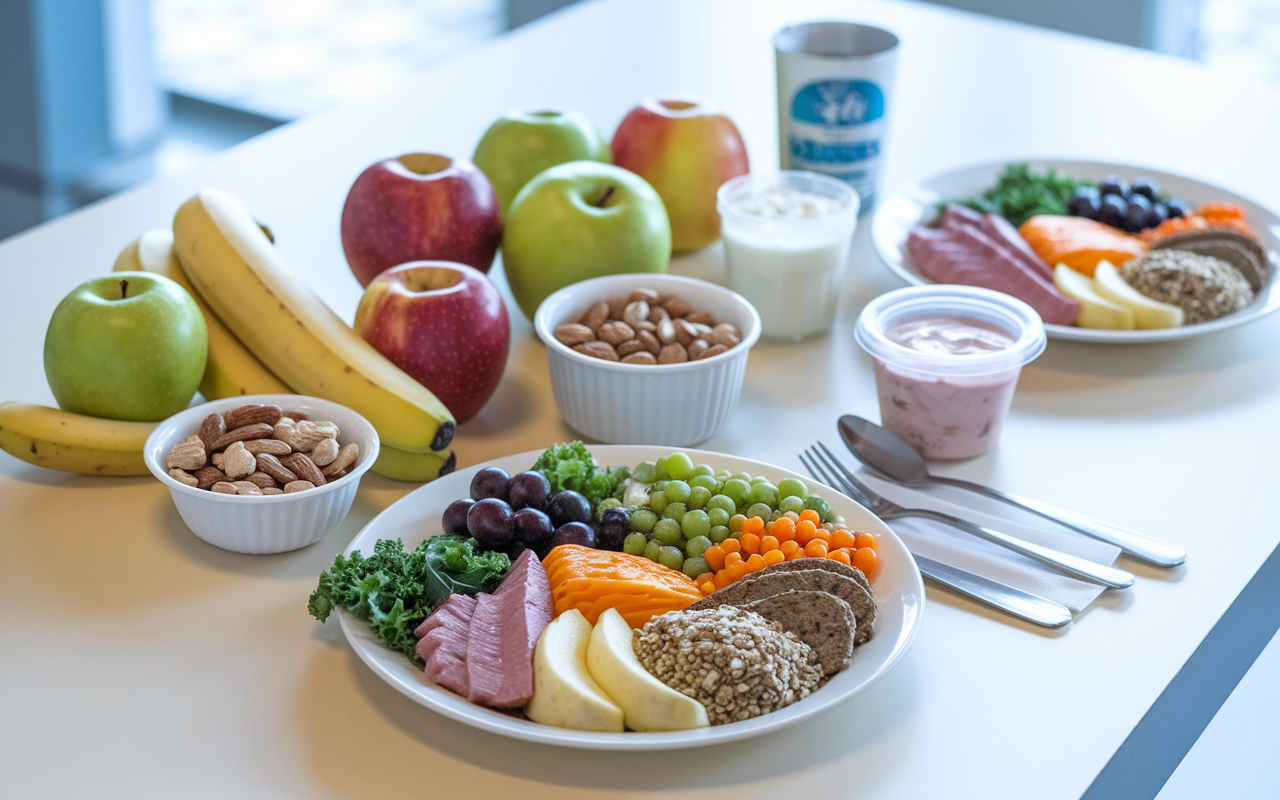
(713, 350)
(616, 332)
(635, 313)
(252, 414)
(640, 357)
(572, 333)
(273, 447)
(596, 316)
(208, 476)
(212, 429)
(673, 353)
(597, 350)
(305, 468)
(272, 466)
(187, 454)
(259, 430)
(346, 457)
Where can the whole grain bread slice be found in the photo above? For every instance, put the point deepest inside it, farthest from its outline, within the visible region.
(759, 585)
(821, 620)
(823, 563)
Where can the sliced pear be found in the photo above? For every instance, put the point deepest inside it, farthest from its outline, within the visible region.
(1147, 313)
(647, 703)
(564, 695)
(1095, 310)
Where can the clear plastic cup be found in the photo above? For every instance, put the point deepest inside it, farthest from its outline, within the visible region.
(947, 359)
(786, 241)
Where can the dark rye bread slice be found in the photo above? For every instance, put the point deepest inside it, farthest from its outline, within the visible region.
(821, 620)
(1233, 247)
(823, 563)
(766, 584)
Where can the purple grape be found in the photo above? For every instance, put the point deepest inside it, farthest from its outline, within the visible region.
(532, 527)
(1113, 210)
(615, 524)
(1177, 208)
(1114, 184)
(1085, 202)
(1147, 187)
(574, 533)
(455, 516)
(490, 482)
(1158, 213)
(490, 522)
(1135, 216)
(569, 506)
(529, 490)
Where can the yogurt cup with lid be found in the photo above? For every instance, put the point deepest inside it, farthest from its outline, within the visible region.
(947, 360)
(786, 241)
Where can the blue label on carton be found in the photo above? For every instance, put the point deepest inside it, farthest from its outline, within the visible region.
(836, 128)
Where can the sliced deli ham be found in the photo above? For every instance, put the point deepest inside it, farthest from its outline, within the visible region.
(443, 646)
(503, 633)
(961, 252)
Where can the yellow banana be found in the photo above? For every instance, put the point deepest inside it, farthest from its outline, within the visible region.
(288, 327)
(231, 370)
(49, 437)
(401, 465)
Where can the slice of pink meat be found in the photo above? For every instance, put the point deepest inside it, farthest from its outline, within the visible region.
(964, 254)
(503, 633)
(1002, 230)
(443, 646)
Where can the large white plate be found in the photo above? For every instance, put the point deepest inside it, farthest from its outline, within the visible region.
(913, 205)
(416, 517)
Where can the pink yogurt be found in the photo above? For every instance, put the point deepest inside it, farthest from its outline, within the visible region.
(947, 360)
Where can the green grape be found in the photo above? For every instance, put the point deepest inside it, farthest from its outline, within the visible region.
(695, 523)
(635, 543)
(702, 469)
(707, 482)
(818, 504)
(671, 557)
(697, 546)
(693, 567)
(718, 516)
(643, 520)
(724, 503)
(722, 475)
(735, 522)
(791, 503)
(838, 519)
(677, 491)
(745, 477)
(759, 510)
(666, 531)
(660, 469)
(651, 549)
(658, 501)
(679, 466)
(698, 497)
(736, 490)
(758, 479)
(675, 511)
(791, 487)
(775, 516)
(719, 533)
(645, 472)
(765, 493)
(791, 515)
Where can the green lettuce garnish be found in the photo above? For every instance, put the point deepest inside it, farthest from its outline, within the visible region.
(394, 590)
(570, 466)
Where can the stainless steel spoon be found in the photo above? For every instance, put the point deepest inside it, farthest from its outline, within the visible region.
(892, 458)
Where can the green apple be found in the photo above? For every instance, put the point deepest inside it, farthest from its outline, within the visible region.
(524, 142)
(581, 220)
(128, 346)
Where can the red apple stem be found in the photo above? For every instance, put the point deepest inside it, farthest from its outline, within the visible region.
(124, 289)
(604, 198)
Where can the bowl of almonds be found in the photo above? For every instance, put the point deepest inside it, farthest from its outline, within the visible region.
(643, 358)
(262, 473)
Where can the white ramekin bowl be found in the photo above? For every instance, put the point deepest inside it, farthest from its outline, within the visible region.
(272, 523)
(663, 404)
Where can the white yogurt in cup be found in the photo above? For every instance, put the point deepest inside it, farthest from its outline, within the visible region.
(786, 241)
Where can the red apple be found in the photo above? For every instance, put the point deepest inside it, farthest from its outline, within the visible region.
(420, 207)
(442, 323)
(686, 151)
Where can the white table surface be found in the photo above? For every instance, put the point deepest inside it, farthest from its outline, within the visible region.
(136, 660)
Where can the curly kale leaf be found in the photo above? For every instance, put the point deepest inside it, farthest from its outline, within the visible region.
(394, 590)
(1020, 194)
(570, 466)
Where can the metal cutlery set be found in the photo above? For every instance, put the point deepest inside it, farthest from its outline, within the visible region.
(890, 458)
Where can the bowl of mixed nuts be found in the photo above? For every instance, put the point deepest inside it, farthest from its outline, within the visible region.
(643, 358)
(262, 473)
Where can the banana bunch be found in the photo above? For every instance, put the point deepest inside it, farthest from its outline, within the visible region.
(268, 333)
(49, 437)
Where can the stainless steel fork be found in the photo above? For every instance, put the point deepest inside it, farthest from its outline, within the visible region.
(886, 509)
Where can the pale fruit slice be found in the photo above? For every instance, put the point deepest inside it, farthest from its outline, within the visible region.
(1095, 310)
(1147, 313)
(564, 695)
(647, 703)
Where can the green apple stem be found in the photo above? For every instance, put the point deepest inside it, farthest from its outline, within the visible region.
(604, 198)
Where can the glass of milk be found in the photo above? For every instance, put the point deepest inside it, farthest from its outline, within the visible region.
(786, 241)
